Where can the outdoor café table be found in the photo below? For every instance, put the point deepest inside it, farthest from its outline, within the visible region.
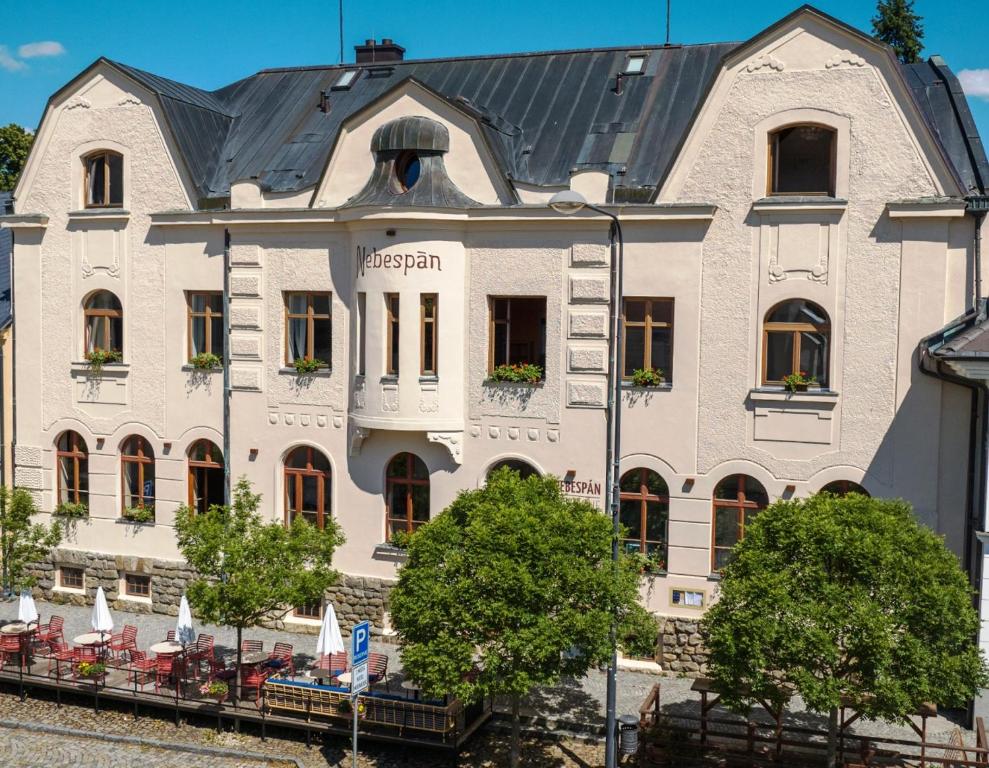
(412, 688)
(92, 638)
(21, 631)
(167, 648)
(250, 659)
(344, 678)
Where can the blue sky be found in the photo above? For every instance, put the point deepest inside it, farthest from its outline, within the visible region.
(211, 43)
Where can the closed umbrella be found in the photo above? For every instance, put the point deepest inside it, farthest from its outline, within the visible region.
(330, 640)
(102, 620)
(184, 632)
(27, 612)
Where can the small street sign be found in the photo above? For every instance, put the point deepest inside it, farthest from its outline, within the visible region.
(358, 678)
(360, 643)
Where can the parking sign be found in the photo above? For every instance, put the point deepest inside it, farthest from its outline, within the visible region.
(358, 678)
(360, 643)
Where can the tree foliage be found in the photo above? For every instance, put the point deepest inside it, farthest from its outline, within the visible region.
(510, 588)
(249, 569)
(15, 143)
(21, 540)
(896, 24)
(844, 596)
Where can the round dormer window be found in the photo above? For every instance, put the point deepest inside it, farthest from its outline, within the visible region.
(407, 169)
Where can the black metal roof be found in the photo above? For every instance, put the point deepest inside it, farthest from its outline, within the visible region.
(543, 115)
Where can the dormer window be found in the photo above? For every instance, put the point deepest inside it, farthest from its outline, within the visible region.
(802, 160)
(104, 180)
(635, 64)
(347, 78)
(407, 170)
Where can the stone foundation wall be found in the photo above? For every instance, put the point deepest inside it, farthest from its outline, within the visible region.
(354, 598)
(681, 647)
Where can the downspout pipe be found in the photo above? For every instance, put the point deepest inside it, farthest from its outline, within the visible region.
(226, 367)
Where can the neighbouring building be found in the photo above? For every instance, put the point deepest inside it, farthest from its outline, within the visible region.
(798, 202)
(6, 345)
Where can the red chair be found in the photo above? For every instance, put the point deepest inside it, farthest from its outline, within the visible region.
(169, 669)
(251, 646)
(52, 631)
(377, 667)
(170, 636)
(124, 641)
(200, 651)
(334, 664)
(283, 653)
(252, 678)
(143, 667)
(10, 646)
(61, 654)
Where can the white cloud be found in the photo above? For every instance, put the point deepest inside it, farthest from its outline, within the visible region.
(8, 62)
(42, 48)
(975, 82)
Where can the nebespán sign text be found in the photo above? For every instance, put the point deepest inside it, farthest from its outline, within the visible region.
(372, 258)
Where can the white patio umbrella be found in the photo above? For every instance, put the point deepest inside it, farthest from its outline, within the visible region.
(102, 620)
(26, 610)
(184, 632)
(330, 640)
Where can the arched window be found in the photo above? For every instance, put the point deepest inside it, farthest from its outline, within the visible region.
(524, 468)
(843, 487)
(73, 469)
(645, 513)
(205, 476)
(406, 493)
(137, 470)
(802, 160)
(104, 179)
(307, 485)
(104, 321)
(737, 499)
(796, 339)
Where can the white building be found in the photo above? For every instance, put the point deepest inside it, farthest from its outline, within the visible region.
(794, 202)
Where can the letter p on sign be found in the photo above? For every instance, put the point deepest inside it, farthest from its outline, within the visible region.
(360, 642)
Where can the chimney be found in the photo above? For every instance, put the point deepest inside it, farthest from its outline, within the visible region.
(379, 53)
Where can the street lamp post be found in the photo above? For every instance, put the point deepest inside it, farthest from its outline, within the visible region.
(569, 202)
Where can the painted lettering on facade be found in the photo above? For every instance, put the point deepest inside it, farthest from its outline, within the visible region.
(372, 258)
(582, 488)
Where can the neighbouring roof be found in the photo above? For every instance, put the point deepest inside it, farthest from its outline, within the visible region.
(973, 342)
(6, 250)
(544, 115)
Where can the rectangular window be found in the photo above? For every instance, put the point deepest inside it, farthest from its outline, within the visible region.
(361, 333)
(517, 334)
(71, 578)
(429, 317)
(205, 323)
(136, 585)
(391, 304)
(313, 610)
(648, 336)
(308, 327)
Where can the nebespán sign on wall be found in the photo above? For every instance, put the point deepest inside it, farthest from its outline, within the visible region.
(372, 258)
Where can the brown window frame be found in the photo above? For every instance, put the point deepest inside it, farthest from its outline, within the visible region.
(796, 329)
(428, 334)
(304, 611)
(643, 496)
(310, 316)
(132, 580)
(295, 476)
(494, 322)
(107, 154)
(361, 333)
(409, 481)
(142, 460)
(208, 314)
(772, 177)
(648, 324)
(110, 314)
(393, 350)
(63, 570)
(740, 504)
(193, 465)
(76, 455)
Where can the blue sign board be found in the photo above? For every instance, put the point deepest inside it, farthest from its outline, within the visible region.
(360, 642)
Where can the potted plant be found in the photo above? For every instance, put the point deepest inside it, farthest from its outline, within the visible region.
(215, 689)
(305, 366)
(92, 670)
(648, 377)
(798, 381)
(400, 539)
(139, 514)
(654, 562)
(517, 373)
(71, 510)
(206, 361)
(97, 358)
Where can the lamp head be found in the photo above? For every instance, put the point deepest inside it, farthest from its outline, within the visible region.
(567, 201)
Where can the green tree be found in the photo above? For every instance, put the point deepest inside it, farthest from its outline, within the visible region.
(15, 143)
(22, 541)
(849, 596)
(896, 24)
(249, 569)
(510, 588)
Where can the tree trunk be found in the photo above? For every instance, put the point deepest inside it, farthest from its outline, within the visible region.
(236, 686)
(833, 738)
(516, 733)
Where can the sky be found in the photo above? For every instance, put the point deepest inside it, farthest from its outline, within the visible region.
(211, 43)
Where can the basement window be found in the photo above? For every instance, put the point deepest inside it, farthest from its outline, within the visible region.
(347, 78)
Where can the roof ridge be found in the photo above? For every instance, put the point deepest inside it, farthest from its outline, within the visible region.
(148, 79)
